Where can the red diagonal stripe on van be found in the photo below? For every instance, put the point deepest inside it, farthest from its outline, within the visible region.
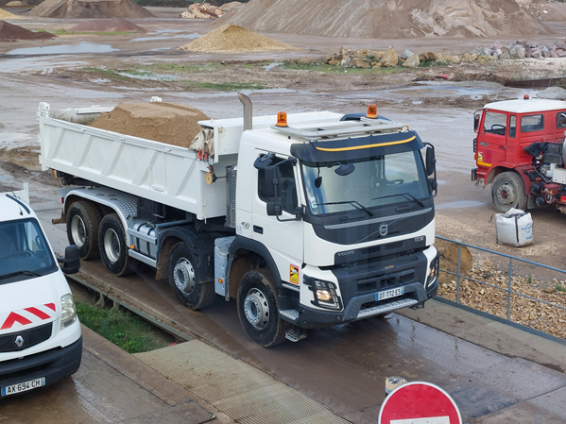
(37, 313)
(13, 318)
(50, 305)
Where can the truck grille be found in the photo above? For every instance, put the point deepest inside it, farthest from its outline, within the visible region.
(30, 337)
(386, 281)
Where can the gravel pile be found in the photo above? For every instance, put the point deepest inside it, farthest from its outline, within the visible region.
(521, 49)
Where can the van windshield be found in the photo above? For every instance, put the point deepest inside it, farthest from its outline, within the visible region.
(24, 252)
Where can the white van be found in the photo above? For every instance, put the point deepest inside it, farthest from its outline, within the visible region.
(40, 334)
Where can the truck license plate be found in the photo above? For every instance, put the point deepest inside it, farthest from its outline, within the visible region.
(388, 294)
(23, 387)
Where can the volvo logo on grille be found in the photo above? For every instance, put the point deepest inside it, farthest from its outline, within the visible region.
(19, 342)
(383, 230)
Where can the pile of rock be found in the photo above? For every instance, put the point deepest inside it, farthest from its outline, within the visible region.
(386, 59)
(521, 49)
(202, 11)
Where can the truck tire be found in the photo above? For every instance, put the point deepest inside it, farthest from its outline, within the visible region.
(258, 309)
(508, 191)
(83, 221)
(183, 280)
(113, 247)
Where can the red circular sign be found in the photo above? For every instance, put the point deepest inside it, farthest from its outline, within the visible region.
(419, 403)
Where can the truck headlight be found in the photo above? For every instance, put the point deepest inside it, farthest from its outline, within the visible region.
(433, 272)
(68, 311)
(324, 293)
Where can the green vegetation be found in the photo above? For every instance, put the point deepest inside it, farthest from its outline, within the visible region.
(155, 67)
(105, 73)
(560, 287)
(121, 327)
(432, 64)
(333, 69)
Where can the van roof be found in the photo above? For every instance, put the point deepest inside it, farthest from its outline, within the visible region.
(527, 106)
(12, 208)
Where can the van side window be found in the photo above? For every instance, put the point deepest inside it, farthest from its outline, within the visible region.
(495, 123)
(286, 190)
(561, 120)
(532, 123)
(512, 126)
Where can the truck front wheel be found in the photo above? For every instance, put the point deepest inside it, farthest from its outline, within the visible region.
(83, 220)
(508, 191)
(258, 309)
(184, 282)
(113, 248)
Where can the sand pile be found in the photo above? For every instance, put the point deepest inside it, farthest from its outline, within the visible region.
(4, 14)
(388, 18)
(169, 123)
(201, 11)
(104, 25)
(9, 32)
(90, 9)
(235, 39)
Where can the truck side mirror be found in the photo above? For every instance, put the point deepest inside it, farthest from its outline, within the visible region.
(273, 209)
(72, 260)
(477, 115)
(430, 161)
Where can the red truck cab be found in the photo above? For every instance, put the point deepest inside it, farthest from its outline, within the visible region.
(504, 129)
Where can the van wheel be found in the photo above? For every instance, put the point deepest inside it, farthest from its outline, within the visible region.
(508, 191)
(184, 280)
(113, 247)
(83, 221)
(258, 309)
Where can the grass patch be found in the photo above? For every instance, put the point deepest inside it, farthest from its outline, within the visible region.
(431, 64)
(333, 69)
(121, 327)
(155, 67)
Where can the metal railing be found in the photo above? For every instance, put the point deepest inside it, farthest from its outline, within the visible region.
(509, 290)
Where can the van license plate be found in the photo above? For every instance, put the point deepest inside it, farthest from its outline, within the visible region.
(23, 387)
(388, 294)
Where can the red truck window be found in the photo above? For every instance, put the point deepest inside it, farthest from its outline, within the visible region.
(512, 126)
(495, 123)
(530, 123)
(561, 120)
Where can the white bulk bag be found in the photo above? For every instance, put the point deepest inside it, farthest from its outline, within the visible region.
(514, 227)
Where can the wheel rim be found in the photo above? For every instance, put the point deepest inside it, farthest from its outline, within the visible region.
(184, 275)
(506, 194)
(78, 231)
(256, 309)
(112, 245)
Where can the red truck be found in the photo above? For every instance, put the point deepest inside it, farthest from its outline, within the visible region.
(519, 150)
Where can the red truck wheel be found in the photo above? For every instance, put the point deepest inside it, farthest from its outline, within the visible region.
(508, 191)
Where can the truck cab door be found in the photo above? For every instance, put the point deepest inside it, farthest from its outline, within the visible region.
(281, 234)
(492, 140)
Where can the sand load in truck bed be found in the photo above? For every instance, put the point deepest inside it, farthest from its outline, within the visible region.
(169, 123)
(235, 39)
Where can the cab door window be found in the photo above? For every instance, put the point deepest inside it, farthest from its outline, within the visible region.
(286, 189)
(495, 123)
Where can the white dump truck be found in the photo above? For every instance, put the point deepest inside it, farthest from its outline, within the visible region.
(308, 220)
(40, 335)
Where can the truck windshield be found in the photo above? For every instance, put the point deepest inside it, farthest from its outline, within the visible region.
(24, 252)
(369, 183)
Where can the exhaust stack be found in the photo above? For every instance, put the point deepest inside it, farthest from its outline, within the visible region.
(247, 111)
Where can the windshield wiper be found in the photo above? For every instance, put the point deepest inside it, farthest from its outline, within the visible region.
(405, 195)
(350, 202)
(12, 274)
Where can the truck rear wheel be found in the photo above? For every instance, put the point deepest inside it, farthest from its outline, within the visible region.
(258, 309)
(508, 191)
(83, 221)
(183, 279)
(113, 247)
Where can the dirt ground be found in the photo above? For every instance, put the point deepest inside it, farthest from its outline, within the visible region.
(77, 70)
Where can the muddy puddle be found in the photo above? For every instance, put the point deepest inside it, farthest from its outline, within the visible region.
(82, 47)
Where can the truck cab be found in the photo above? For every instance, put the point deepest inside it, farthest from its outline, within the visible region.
(505, 130)
(40, 335)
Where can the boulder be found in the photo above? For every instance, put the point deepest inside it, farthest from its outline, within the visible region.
(505, 55)
(406, 54)
(412, 61)
(361, 63)
(455, 60)
(389, 59)
(427, 57)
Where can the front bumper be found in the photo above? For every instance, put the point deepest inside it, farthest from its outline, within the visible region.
(360, 307)
(53, 364)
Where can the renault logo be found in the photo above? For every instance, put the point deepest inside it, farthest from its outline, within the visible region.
(383, 230)
(19, 341)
